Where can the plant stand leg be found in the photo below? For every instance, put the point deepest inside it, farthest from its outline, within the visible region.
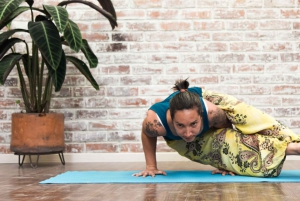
(21, 163)
(37, 161)
(62, 159)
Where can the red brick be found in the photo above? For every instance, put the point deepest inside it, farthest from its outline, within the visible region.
(279, 3)
(67, 103)
(187, 47)
(178, 3)
(278, 46)
(115, 47)
(135, 80)
(124, 136)
(208, 25)
(134, 102)
(248, 68)
(91, 114)
(212, 47)
(102, 148)
(130, 58)
(268, 79)
(196, 58)
(248, 3)
(141, 26)
(176, 26)
(290, 57)
(233, 79)
(244, 46)
(104, 125)
(242, 25)
(281, 68)
(75, 126)
(294, 14)
(115, 69)
(88, 91)
(267, 58)
(126, 114)
(275, 24)
(261, 36)
(8, 104)
(131, 14)
(230, 58)
(262, 14)
(154, 90)
(215, 69)
(211, 3)
(127, 36)
(145, 47)
(163, 14)
(5, 149)
(255, 89)
(182, 69)
(191, 36)
(122, 91)
(74, 148)
(229, 36)
(229, 14)
(147, 3)
(147, 69)
(287, 101)
(131, 147)
(100, 103)
(286, 90)
(163, 147)
(163, 58)
(286, 112)
(160, 36)
(133, 125)
(196, 14)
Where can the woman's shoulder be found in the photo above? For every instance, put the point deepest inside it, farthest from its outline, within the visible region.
(152, 125)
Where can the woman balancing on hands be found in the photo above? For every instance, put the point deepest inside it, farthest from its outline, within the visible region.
(218, 130)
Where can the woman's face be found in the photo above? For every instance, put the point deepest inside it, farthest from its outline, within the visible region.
(187, 124)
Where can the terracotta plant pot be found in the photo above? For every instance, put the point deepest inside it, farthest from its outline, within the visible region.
(35, 133)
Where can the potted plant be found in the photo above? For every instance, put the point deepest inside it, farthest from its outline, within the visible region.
(42, 67)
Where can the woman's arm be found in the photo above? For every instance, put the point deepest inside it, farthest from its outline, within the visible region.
(151, 129)
(217, 117)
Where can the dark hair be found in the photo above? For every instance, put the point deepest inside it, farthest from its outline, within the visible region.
(184, 99)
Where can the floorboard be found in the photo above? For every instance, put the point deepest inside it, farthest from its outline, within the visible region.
(22, 184)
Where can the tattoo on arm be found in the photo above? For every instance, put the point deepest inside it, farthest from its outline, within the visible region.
(152, 128)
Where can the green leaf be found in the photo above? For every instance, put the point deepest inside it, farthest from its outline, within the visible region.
(46, 36)
(7, 64)
(83, 68)
(6, 20)
(108, 6)
(25, 63)
(5, 46)
(5, 35)
(106, 14)
(73, 36)
(60, 16)
(8, 6)
(89, 54)
(58, 75)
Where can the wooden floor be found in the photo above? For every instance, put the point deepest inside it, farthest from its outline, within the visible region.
(22, 184)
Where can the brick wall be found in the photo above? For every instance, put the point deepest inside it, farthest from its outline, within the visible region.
(247, 48)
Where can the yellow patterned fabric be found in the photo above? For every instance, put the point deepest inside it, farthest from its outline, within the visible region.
(255, 147)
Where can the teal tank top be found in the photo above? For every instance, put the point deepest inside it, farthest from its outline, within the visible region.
(161, 108)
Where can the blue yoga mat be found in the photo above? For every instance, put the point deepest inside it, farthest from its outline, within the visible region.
(102, 177)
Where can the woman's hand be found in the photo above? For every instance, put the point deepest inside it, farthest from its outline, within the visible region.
(149, 172)
(223, 172)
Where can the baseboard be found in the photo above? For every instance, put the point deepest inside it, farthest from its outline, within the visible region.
(101, 157)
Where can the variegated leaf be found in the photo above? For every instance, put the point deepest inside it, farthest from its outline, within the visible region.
(60, 16)
(73, 36)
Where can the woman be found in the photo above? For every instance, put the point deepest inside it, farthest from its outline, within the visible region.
(218, 130)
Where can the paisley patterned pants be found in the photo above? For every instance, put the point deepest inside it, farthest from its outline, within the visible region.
(255, 147)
